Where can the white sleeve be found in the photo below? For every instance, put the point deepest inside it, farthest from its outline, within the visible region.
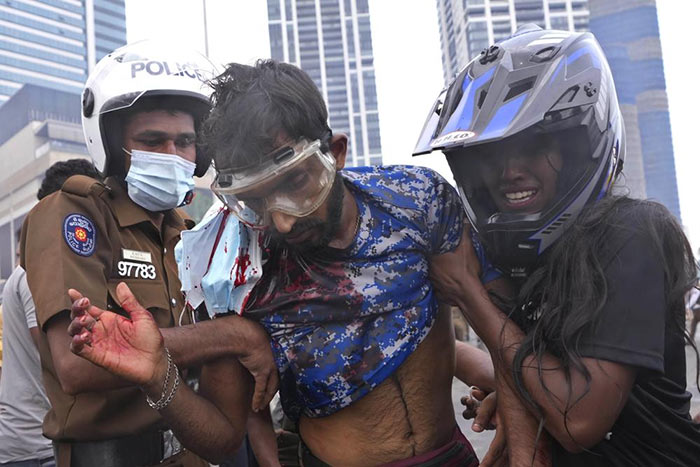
(27, 303)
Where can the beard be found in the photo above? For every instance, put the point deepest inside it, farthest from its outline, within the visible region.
(327, 228)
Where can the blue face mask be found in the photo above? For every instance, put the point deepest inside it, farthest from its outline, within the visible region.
(158, 182)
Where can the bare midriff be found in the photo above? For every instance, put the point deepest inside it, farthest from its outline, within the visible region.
(407, 415)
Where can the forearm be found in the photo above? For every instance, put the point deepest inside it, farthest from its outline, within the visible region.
(195, 344)
(566, 401)
(261, 435)
(474, 367)
(80, 376)
(75, 374)
(198, 421)
(525, 446)
(199, 425)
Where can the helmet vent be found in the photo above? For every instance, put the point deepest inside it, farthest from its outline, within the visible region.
(556, 224)
(544, 55)
(520, 87)
(482, 98)
(569, 95)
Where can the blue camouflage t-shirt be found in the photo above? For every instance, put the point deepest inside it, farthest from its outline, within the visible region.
(342, 321)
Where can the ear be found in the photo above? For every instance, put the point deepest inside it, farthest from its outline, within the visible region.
(339, 149)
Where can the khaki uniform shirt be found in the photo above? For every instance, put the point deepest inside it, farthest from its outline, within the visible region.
(90, 236)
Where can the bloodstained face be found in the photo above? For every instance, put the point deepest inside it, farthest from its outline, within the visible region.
(522, 176)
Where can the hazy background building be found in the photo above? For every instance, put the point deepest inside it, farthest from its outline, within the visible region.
(469, 26)
(628, 31)
(331, 40)
(40, 126)
(54, 43)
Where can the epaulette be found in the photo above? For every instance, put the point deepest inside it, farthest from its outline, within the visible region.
(82, 185)
(186, 219)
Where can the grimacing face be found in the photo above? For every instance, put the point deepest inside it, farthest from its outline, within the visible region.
(522, 177)
(317, 229)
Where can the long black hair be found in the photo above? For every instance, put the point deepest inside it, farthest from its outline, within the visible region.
(562, 301)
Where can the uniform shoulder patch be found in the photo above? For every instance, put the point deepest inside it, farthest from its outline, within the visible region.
(80, 234)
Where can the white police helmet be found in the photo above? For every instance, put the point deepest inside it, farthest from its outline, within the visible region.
(134, 73)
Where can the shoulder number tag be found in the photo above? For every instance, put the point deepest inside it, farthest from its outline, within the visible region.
(136, 270)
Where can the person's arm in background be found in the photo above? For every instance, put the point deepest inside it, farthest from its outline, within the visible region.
(473, 367)
(262, 438)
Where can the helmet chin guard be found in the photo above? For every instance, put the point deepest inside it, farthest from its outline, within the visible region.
(535, 96)
(127, 77)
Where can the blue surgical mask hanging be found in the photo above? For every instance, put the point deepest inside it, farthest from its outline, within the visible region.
(158, 182)
(219, 263)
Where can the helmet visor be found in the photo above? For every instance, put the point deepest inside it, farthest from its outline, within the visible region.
(523, 178)
(427, 134)
(294, 180)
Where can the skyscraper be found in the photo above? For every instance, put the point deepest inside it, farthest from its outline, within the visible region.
(332, 42)
(469, 26)
(55, 43)
(628, 32)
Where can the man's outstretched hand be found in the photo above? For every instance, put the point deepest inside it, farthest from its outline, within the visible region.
(129, 348)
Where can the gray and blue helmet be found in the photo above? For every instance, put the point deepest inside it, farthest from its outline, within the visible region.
(553, 86)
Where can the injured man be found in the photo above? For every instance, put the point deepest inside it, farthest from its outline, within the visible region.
(334, 264)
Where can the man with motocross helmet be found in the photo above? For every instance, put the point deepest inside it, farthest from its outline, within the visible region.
(592, 341)
(142, 107)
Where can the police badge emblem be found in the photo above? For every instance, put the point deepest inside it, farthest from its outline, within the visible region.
(80, 234)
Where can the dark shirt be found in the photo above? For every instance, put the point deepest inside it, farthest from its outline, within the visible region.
(636, 329)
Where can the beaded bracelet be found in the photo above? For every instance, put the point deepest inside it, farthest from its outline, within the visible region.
(166, 398)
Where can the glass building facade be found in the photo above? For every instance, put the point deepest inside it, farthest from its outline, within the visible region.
(331, 40)
(628, 32)
(55, 43)
(469, 26)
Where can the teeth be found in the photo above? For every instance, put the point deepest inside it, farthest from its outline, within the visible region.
(519, 195)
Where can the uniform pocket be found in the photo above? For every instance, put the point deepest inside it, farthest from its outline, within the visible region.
(151, 294)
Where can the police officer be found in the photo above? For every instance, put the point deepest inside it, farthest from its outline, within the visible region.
(142, 106)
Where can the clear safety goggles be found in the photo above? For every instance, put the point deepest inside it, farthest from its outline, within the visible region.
(294, 180)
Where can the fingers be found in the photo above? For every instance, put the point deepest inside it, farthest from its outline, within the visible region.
(80, 344)
(486, 412)
(471, 406)
(81, 323)
(74, 295)
(272, 385)
(259, 392)
(79, 306)
(127, 300)
(266, 385)
(82, 307)
(478, 394)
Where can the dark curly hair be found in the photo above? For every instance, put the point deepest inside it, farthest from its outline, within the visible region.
(58, 173)
(254, 106)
